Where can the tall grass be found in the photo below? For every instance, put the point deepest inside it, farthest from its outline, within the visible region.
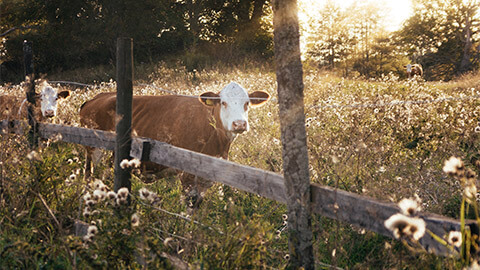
(360, 139)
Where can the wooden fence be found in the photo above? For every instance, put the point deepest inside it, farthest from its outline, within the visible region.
(360, 211)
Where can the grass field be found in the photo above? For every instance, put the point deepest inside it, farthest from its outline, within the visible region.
(385, 138)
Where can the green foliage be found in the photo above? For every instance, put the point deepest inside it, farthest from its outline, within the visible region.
(441, 35)
(360, 139)
(81, 34)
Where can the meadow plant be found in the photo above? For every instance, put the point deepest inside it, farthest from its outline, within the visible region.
(383, 138)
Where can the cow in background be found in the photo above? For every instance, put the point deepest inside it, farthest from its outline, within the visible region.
(46, 103)
(207, 124)
(414, 70)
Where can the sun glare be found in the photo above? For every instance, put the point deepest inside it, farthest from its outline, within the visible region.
(396, 12)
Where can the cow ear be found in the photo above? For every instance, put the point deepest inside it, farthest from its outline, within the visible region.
(63, 94)
(258, 98)
(209, 98)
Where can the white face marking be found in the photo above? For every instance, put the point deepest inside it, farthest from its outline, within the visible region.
(234, 103)
(48, 98)
(409, 68)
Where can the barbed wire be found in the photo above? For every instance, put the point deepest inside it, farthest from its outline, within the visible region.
(73, 83)
(395, 103)
(333, 106)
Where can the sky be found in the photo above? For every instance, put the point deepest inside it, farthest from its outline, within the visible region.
(397, 10)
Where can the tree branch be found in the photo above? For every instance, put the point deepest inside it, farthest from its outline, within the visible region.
(18, 28)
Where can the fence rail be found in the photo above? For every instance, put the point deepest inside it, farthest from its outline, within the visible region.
(360, 211)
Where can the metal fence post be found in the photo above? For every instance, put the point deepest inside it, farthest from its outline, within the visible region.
(123, 116)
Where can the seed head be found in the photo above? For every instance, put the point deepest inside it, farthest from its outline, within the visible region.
(92, 229)
(403, 226)
(455, 239)
(453, 166)
(112, 195)
(122, 193)
(135, 220)
(124, 164)
(87, 196)
(409, 207)
(99, 195)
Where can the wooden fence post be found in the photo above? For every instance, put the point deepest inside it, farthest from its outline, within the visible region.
(30, 91)
(292, 123)
(123, 116)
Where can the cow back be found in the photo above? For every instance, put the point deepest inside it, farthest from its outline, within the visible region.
(177, 120)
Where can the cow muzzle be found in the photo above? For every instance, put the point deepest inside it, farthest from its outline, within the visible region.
(239, 126)
(49, 113)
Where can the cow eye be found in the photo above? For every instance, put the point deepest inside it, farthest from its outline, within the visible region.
(224, 104)
(245, 106)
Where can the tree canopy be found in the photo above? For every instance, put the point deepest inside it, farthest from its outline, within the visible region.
(441, 35)
(69, 34)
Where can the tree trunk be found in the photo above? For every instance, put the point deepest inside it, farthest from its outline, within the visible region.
(292, 122)
(467, 48)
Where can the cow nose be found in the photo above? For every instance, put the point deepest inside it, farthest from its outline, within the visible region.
(239, 126)
(49, 113)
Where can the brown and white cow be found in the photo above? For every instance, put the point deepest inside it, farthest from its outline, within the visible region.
(414, 70)
(207, 124)
(46, 103)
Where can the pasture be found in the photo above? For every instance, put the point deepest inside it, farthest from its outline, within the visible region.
(385, 138)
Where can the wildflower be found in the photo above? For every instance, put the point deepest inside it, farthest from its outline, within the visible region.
(87, 196)
(122, 193)
(381, 169)
(409, 207)
(470, 175)
(453, 166)
(33, 155)
(470, 192)
(90, 203)
(417, 228)
(477, 129)
(99, 195)
(87, 212)
(69, 161)
(401, 225)
(124, 164)
(111, 195)
(144, 194)
(135, 220)
(72, 177)
(92, 229)
(134, 163)
(102, 188)
(285, 217)
(455, 238)
(97, 184)
(88, 237)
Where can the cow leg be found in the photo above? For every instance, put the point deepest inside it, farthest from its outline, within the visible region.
(194, 188)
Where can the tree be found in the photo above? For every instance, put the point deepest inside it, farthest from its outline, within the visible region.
(292, 124)
(332, 41)
(70, 34)
(442, 35)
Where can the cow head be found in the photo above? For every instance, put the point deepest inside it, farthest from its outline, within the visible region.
(409, 68)
(49, 99)
(234, 102)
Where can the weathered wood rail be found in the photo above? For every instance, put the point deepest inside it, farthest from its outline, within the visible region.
(360, 211)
